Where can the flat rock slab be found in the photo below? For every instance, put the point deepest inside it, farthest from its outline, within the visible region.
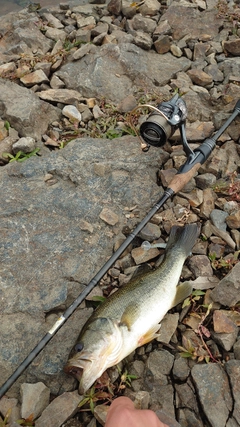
(214, 392)
(48, 256)
(128, 66)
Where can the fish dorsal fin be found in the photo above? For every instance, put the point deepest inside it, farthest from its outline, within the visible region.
(182, 291)
(130, 315)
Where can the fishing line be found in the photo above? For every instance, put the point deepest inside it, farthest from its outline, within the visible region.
(185, 173)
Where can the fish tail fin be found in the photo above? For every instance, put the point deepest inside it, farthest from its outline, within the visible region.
(183, 237)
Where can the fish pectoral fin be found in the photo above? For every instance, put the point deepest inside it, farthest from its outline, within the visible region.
(150, 335)
(130, 315)
(182, 291)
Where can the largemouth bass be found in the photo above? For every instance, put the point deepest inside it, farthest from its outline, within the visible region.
(130, 317)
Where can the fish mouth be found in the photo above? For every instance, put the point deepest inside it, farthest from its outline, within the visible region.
(85, 371)
(74, 371)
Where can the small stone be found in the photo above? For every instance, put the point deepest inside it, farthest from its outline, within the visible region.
(142, 400)
(150, 232)
(233, 371)
(236, 349)
(218, 218)
(195, 197)
(232, 46)
(100, 413)
(199, 77)
(127, 104)
(233, 220)
(162, 44)
(56, 83)
(26, 145)
(176, 51)
(227, 291)
(224, 235)
(236, 237)
(9, 67)
(221, 322)
(157, 359)
(143, 40)
(200, 265)
(108, 216)
(35, 398)
(205, 180)
(208, 202)
(53, 21)
(226, 340)
(181, 369)
(150, 7)
(97, 112)
(64, 96)
(86, 226)
(167, 175)
(36, 77)
(59, 410)
(72, 113)
(9, 406)
(114, 6)
(168, 327)
(211, 382)
(140, 255)
(55, 34)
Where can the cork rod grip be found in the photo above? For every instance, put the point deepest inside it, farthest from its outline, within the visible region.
(180, 180)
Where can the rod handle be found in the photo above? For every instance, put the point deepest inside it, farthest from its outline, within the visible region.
(180, 180)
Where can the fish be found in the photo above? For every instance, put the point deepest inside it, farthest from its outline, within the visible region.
(130, 317)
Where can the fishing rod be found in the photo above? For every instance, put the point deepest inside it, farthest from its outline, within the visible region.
(157, 128)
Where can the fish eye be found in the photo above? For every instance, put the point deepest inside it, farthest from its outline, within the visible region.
(79, 347)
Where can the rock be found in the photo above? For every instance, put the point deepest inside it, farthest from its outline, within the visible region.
(227, 291)
(59, 410)
(181, 369)
(208, 202)
(26, 145)
(84, 73)
(232, 46)
(186, 396)
(233, 220)
(226, 340)
(200, 77)
(10, 408)
(224, 235)
(214, 392)
(222, 323)
(150, 232)
(160, 358)
(168, 327)
(140, 255)
(108, 216)
(218, 218)
(35, 398)
(65, 96)
(200, 265)
(236, 349)
(26, 109)
(205, 180)
(233, 371)
(100, 413)
(34, 78)
(72, 113)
